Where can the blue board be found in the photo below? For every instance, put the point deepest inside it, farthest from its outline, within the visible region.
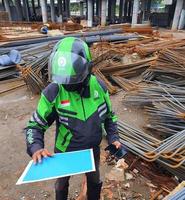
(59, 165)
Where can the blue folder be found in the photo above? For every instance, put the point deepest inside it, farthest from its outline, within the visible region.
(59, 165)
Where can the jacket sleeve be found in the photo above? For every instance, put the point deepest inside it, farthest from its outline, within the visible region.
(110, 123)
(41, 119)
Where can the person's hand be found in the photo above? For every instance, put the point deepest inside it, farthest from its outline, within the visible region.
(117, 144)
(37, 156)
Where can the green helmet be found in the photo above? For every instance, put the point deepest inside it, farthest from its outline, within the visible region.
(70, 61)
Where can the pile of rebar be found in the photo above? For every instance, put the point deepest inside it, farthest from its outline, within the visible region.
(167, 117)
(125, 84)
(148, 93)
(8, 71)
(169, 152)
(168, 68)
(35, 73)
(153, 47)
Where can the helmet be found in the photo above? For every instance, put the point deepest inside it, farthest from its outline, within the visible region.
(70, 61)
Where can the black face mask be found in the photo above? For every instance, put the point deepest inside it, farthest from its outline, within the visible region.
(73, 87)
(81, 88)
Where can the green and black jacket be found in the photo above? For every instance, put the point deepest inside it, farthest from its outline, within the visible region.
(79, 120)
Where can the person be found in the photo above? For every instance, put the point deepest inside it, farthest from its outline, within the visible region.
(81, 107)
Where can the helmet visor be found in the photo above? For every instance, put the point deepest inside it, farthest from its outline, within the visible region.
(68, 68)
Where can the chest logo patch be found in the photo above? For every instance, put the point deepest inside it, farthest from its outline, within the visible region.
(65, 103)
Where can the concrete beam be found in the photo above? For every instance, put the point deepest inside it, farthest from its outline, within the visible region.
(52, 7)
(90, 13)
(7, 8)
(44, 11)
(135, 12)
(177, 14)
(103, 12)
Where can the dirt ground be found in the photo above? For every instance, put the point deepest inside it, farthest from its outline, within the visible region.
(15, 110)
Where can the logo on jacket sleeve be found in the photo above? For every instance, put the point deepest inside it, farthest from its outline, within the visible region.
(96, 94)
(65, 103)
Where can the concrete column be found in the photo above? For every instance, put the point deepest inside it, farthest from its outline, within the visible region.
(3, 6)
(81, 8)
(44, 11)
(121, 8)
(52, 7)
(67, 8)
(19, 9)
(125, 8)
(149, 5)
(38, 3)
(177, 14)
(143, 9)
(7, 8)
(90, 13)
(182, 20)
(86, 10)
(129, 8)
(98, 7)
(33, 6)
(103, 12)
(60, 10)
(26, 10)
(109, 10)
(113, 10)
(135, 12)
(93, 9)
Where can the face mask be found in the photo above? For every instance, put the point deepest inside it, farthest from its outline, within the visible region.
(73, 87)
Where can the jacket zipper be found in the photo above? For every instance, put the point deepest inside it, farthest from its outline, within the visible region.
(83, 108)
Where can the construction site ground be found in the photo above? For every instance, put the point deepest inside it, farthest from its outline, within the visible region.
(15, 110)
(142, 179)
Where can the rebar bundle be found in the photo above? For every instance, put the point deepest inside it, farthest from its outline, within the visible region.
(167, 117)
(35, 73)
(112, 89)
(147, 49)
(169, 152)
(148, 93)
(168, 68)
(125, 84)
